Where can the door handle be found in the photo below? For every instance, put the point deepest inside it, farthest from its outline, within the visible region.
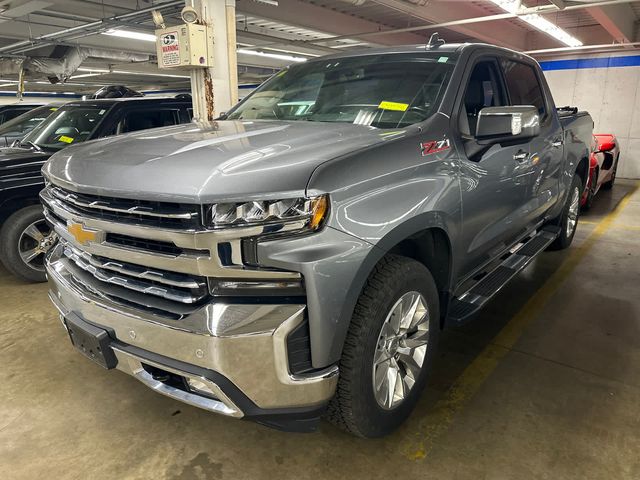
(557, 143)
(520, 156)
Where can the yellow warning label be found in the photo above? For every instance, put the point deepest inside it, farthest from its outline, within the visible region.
(399, 107)
(65, 139)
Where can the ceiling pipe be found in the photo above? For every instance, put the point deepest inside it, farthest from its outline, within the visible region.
(87, 27)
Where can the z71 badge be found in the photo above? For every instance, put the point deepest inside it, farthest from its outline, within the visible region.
(434, 146)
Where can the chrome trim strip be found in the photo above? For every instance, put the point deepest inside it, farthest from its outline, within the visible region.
(73, 198)
(132, 365)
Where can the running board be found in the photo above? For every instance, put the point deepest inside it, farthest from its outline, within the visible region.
(467, 304)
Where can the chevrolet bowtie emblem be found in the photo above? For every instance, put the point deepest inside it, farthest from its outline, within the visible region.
(82, 235)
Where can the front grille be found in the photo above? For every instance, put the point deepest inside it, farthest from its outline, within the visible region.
(143, 212)
(133, 285)
(147, 245)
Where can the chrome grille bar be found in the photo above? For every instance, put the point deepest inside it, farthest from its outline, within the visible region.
(111, 205)
(134, 282)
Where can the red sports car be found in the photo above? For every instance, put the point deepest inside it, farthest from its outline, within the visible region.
(602, 171)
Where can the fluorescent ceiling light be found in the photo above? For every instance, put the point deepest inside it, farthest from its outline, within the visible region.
(150, 74)
(86, 75)
(93, 70)
(146, 37)
(539, 22)
(288, 58)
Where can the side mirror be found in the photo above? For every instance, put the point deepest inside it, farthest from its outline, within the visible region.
(507, 124)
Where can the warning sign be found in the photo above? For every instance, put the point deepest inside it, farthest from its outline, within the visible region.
(169, 49)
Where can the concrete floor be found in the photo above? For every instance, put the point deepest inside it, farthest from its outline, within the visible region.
(544, 384)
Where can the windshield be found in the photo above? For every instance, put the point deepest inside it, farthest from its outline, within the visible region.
(384, 91)
(72, 124)
(23, 124)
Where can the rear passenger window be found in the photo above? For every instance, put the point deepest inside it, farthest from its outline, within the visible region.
(135, 120)
(523, 85)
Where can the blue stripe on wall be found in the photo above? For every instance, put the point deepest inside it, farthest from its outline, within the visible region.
(603, 62)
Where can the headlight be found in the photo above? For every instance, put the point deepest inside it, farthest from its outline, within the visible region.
(311, 211)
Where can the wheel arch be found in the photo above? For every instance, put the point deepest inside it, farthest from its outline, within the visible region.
(436, 254)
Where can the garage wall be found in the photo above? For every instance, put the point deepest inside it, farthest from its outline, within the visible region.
(609, 88)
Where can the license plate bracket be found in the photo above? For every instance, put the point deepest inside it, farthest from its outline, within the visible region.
(93, 342)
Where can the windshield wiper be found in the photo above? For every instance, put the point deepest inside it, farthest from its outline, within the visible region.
(31, 145)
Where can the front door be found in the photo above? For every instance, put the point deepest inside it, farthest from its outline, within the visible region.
(493, 178)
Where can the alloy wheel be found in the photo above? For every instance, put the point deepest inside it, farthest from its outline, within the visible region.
(34, 242)
(572, 217)
(401, 350)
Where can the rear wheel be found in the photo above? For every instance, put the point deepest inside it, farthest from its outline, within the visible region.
(24, 239)
(568, 220)
(609, 185)
(389, 349)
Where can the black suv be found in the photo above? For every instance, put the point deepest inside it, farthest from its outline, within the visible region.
(9, 112)
(24, 235)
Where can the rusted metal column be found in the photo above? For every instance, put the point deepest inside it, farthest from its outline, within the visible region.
(215, 89)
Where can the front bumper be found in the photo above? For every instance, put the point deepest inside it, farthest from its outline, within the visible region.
(238, 351)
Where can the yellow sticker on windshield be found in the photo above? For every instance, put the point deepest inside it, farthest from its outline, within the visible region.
(65, 139)
(398, 107)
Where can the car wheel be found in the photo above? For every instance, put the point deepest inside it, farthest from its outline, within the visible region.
(609, 184)
(591, 191)
(568, 220)
(389, 349)
(25, 237)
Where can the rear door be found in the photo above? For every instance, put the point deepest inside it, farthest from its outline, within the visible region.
(543, 167)
(493, 181)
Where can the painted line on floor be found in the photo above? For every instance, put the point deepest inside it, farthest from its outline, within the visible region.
(438, 420)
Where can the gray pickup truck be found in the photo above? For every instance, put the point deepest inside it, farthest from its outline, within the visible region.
(299, 256)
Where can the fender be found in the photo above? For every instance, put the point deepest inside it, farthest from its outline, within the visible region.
(403, 231)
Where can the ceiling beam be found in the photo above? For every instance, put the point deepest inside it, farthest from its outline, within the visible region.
(435, 12)
(313, 17)
(618, 20)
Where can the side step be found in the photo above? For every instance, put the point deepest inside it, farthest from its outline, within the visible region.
(466, 305)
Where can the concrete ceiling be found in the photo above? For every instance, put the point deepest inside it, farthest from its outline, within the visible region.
(301, 28)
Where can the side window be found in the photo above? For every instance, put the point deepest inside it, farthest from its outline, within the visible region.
(143, 119)
(483, 90)
(523, 85)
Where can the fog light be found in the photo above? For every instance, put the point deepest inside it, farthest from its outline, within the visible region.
(199, 387)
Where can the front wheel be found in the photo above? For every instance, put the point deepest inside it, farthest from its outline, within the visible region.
(389, 349)
(568, 220)
(25, 238)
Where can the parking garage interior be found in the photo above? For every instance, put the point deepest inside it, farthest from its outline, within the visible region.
(543, 382)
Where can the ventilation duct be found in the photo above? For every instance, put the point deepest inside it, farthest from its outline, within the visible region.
(61, 69)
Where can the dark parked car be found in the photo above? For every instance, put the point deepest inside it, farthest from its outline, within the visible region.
(25, 236)
(9, 112)
(18, 127)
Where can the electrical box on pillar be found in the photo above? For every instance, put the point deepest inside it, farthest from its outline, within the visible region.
(189, 45)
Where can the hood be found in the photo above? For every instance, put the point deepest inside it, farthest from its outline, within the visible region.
(17, 160)
(228, 160)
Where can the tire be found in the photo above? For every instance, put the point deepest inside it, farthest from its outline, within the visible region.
(19, 238)
(358, 406)
(609, 185)
(593, 184)
(571, 211)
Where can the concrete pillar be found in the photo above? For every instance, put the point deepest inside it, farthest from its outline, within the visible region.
(215, 90)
